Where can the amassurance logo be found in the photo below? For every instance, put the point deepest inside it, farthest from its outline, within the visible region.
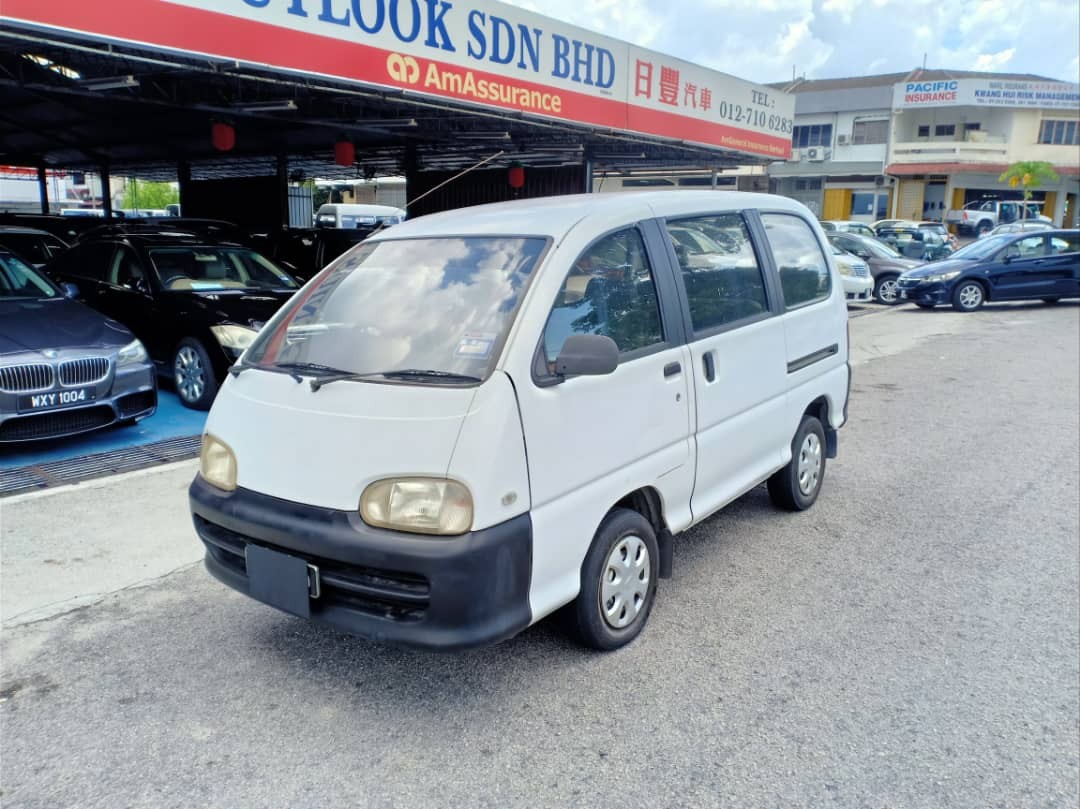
(448, 80)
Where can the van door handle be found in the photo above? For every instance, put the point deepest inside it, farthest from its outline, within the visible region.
(710, 366)
(671, 369)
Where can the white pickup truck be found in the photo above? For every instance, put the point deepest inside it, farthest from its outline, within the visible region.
(981, 217)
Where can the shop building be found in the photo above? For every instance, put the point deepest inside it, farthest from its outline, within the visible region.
(915, 145)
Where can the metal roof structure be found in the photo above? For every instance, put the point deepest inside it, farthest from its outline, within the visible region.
(68, 103)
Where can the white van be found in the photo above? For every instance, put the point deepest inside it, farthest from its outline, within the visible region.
(345, 215)
(477, 417)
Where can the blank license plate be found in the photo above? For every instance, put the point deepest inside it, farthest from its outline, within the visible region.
(56, 399)
(279, 580)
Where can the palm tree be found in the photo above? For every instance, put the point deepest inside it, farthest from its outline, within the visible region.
(1029, 175)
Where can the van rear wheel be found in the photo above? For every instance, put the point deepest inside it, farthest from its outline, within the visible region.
(618, 581)
(796, 486)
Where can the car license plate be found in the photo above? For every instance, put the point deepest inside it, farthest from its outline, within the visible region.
(279, 580)
(56, 399)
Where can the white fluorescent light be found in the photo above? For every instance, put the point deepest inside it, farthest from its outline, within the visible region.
(285, 105)
(110, 83)
(482, 135)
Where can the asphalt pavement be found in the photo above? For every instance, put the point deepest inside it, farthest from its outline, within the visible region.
(911, 641)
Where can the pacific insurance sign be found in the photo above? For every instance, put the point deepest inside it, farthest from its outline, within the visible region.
(986, 93)
(479, 52)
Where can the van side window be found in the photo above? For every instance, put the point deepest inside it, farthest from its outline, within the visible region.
(719, 270)
(609, 291)
(804, 271)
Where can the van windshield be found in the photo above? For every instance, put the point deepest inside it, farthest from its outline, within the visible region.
(440, 306)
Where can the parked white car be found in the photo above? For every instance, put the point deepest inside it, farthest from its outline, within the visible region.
(1018, 227)
(348, 215)
(854, 275)
(477, 417)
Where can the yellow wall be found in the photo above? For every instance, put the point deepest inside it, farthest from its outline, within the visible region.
(1050, 206)
(837, 203)
(910, 199)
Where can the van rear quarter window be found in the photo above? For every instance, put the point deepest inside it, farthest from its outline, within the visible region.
(804, 271)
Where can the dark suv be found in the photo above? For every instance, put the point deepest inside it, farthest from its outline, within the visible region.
(195, 303)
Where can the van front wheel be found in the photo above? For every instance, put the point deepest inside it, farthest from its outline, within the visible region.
(796, 486)
(618, 581)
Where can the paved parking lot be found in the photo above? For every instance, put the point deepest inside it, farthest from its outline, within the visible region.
(912, 641)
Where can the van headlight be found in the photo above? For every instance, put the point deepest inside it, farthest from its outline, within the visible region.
(217, 463)
(844, 267)
(134, 353)
(418, 505)
(234, 337)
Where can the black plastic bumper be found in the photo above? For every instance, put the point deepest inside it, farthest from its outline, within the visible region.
(931, 294)
(431, 592)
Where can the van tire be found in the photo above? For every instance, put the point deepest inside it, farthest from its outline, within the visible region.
(623, 535)
(807, 448)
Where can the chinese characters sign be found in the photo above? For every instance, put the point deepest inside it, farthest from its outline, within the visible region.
(476, 51)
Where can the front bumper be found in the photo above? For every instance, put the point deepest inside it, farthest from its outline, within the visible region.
(932, 294)
(392, 587)
(126, 393)
(858, 288)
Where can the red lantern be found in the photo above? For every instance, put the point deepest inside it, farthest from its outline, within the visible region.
(516, 176)
(223, 136)
(344, 153)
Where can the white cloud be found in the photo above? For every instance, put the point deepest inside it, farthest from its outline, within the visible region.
(761, 40)
(994, 61)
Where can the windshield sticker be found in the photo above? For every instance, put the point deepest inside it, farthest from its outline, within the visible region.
(476, 345)
(206, 285)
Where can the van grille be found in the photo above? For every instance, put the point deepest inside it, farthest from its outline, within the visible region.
(386, 593)
(26, 378)
(86, 371)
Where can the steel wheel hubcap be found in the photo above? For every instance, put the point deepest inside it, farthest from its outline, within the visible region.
(809, 464)
(625, 583)
(970, 296)
(887, 291)
(189, 374)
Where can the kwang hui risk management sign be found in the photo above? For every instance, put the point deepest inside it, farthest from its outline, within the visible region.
(986, 93)
(475, 51)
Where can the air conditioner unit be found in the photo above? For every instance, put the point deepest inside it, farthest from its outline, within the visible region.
(815, 154)
(841, 140)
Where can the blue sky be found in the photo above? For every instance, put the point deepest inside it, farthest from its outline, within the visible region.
(760, 40)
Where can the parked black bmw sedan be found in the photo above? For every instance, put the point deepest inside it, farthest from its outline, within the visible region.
(886, 265)
(1010, 267)
(195, 303)
(64, 368)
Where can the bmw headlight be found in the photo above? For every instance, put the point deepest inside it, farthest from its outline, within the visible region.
(134, 353)
(234, 337)
(418, 505)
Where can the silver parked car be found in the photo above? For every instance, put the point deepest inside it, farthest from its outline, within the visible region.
(64, 368)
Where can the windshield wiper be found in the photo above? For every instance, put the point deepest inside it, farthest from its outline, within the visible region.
(445, 376)
(407, 373)
(293, 369)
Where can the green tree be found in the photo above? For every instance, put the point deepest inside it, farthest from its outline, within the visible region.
(144, 195)
(1029, 175)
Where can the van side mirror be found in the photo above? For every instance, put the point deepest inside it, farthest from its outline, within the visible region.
(587, 355)
(71, 291)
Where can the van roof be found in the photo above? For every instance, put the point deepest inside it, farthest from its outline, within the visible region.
(556, 216)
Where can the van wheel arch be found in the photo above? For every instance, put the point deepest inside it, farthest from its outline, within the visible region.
(647, 502)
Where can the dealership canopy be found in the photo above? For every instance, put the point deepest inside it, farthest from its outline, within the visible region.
(137, 84)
